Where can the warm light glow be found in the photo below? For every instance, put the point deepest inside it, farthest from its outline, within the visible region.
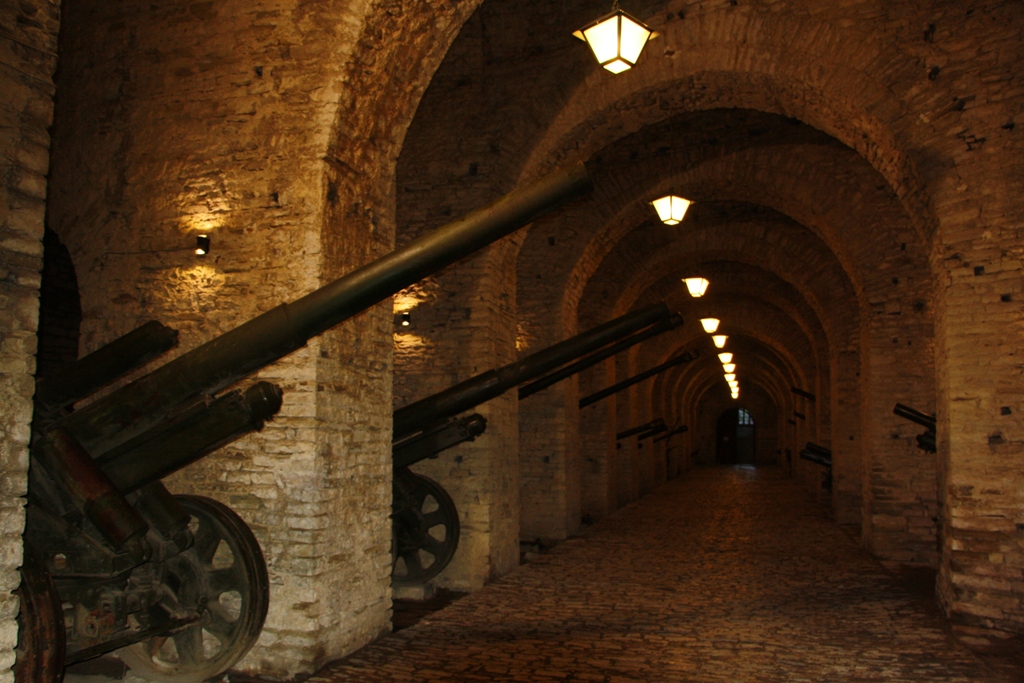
(406, 319)
(710, 324)
(671, 210)
(202, 245)
(617, 39)
(729, 367)
(696, 286)
(730, 376)
(735, 384)
(719, 340)
(725, 357)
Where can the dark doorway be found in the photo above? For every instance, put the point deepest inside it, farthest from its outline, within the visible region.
(735, 441)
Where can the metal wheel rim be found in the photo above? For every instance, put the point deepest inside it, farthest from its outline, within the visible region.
(234, 600)
(415, 531)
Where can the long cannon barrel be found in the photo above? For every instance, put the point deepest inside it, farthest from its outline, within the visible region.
(438, 438)
(485, 386)
(636, 379)
(908, 413)
(671, 323)
(223, 361)
(625, 434)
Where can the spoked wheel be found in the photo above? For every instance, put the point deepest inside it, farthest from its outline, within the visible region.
(425, 528)
(224, 578)
(39, 656)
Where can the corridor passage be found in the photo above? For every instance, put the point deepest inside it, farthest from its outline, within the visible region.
(722, 575)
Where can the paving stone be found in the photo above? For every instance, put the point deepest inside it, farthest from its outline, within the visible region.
(728, 574)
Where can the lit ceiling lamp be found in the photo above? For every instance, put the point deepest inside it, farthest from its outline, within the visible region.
(725, 357)
(735, 384)
(696, 286)
(730, 376)
(617, 39)
(719, 340)
(729, 367)
(710, 324)
(671, 209)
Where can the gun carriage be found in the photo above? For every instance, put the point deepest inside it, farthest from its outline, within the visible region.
(426, 523)
(177, 585)
(925, 440)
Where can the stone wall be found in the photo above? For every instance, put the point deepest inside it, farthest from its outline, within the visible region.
(28, 46)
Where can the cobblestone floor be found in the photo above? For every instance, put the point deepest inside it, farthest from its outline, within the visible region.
(723, 575)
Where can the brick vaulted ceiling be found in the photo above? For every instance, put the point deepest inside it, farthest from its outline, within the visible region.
(805, 221)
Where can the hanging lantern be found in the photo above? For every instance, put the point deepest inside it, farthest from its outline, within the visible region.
(730, 376)
(617, 39)
(710, 324)
(725, 357)
(696, 286)
(671, 209)
(719, 340)
(729, 367)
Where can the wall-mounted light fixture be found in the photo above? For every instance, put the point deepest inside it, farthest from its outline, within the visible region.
(406, 319)
(617, 39)
(671, 209)
(710, 324)
(696, 286)
(725, 357)
(719, 340)
(202, 245)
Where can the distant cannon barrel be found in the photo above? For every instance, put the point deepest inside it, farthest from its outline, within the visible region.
(653, 431)
(639, 429)
(636, 379)
(908, 413)
(259, 342)
(816, 454)
(678, 430)
(487, 385)
(670, 323)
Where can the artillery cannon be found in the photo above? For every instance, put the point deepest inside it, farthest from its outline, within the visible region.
(177, 585)
(925, 440)
(426, 522)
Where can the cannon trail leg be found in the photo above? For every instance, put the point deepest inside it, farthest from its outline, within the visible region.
(425, 529)
(224, 578)
(40, 651)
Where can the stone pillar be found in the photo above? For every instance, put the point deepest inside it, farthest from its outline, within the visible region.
(28, 47)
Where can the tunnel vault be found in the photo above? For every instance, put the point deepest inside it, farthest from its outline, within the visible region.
(855, 171)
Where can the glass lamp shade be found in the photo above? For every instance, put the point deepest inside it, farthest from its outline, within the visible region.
(735, 395)
(671, 210)
(730, 376)
(696, 286)
(734, 385)
(729, 367)
(616, 39)
(725, 357)
(719, 340)
(710, 324)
